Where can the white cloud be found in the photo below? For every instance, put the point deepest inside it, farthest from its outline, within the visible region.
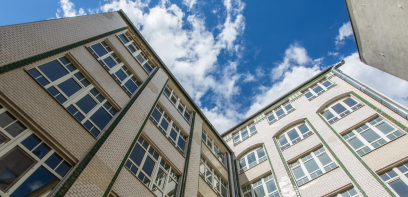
(383, 82)
(189, 3)
(332, 53)
(222, 119)
(68, 10)
(294, 55)
(345, 31)
(248, 77)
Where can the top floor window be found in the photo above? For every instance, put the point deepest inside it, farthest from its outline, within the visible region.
(264, 187)
(280, 112)
(212, 177)
(251, 159)
(371, 135)
(340, 109)
(214, 148)
(294, 135)
(244, 134)
(318, 89)
(177, 103)
(134, 49)
(75, 93)
(115, 67)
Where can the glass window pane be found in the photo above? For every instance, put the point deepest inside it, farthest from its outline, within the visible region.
(242, 163)
(99, 49)
(173, 134)
(328, 115)
(41, 150)
(171, 188)
(164, 124)
(303, 129)
(311, 166)
(271, 186)
(327, 83)
(339, 108)
(63, 168)
(280, 112)
(385, 128)
(288, 107)
(40, 182)
(261, 153)
(6, 118)
(271, 117)
(282, 140)
(161, 178)
(156, 114)
(69, 87)
(325, 159)
(298, 172)
(12, 166)
(309, 95)
(400, 187)
(15, 128)
(53, 70)
(244, 134)
(137, 154)
(101, 118)
(86, 104)
(208, 175)
(251, 158)
(370, 135)
(293, 135)
(123, 38)
(31, 141)
(156, 191)
(131, 86)
(121, 75)
(181, 143)
(148, 166)
(259, 192)
(350, 102)
(53, 160)
(356, 143)
(317, 89)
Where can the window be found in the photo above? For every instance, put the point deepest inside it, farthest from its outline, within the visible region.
(222, 157)
(26, 160)
(244, 134)
(340, 109)
(177, 103)
(349, 193)
(251, 159)
(152, 170)
(312, 166)
(371, 135)
(169, 128)
(134, 49)
(212, 178)
(294, 135)
(264, 187)
(397, 179)
(318, 89)
(280, 112)
(115, 67)
(74, 92)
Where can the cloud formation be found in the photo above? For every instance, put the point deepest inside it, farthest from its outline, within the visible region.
(294, 55)
(68, 10)
(345, 31)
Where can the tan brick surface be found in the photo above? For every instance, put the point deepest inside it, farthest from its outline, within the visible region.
(127, 185)
(205, 151)
(174, 114)
(255, 173)
(205, 189)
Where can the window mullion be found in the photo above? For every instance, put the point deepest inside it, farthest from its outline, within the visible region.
(362, 139)
(77, 96)
(136, 53)
(116, 68)
(380, 133)
(60, 80)
(318, 162)
(306, 172)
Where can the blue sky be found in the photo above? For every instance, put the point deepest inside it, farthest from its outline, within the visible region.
(233, 56)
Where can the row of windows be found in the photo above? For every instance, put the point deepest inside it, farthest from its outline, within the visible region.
(75, 93)
(152, 170)
(264, 187)
(115, 67)
(318, 89)
(251, 159)
(340, 109)
(169, 128)
(294, 135)
(134, 49)
(280, 112)
(212, 178)
(28, 166)
(177, 103)
(222, 157)
(244, 134)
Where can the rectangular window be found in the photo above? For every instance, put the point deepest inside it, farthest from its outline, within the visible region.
(152, 170)
(372, 135)
(318, 89)
(212, 178)
(214, 148)
(264, 187)
(397, 179)
(341, 108)
(176, 101)
(75, 93)
(294, 135)
(244, 134)
(312, 166)
(280, 112)
(251, 159)
(169, 128)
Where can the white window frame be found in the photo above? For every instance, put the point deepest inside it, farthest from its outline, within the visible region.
(300, 138)
(273, 113)
(257, 161)
(15, 142)
(250, 129)
(119, 66)
(214, 148)
(318, 84)
(322, 168)
(178, 104)
(396, 174)
(372, 124)
(159, 163)
(249, 191)
(349, 110)
(101, 101)
(206, 166)
(138, 54)
(181, 135)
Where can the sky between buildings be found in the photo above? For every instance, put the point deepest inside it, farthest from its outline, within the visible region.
(234, 56)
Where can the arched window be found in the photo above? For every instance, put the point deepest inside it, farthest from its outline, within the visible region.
(280, 112)
(251, 159)
(294, 135)
(340, 109)
(264, 187)
(244, 134)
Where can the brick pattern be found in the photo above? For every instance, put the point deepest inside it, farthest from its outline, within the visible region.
(174, 114)
(17, 44)
(204, 189)
(297, 149)
(255, 173)
(127, 185)
(353, 119)
(325, 183)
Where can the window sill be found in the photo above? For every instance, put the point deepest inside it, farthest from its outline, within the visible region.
(213, 154)
(253, 166)
(184, 153)
(362, 105)
(245, 139)
(317, 177)
(297, 142)
(403, 134)
(188, 122)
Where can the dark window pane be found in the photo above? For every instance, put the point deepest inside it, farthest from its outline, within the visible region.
(356, 143)
(164, 124)
(350, 102)
(271, 186)
(61, 99)
(99, 49)
(148, 166)
(282, 140)
(303, 129)
(121, 75)
(38, 184)
(123, 38)
(251, 158)
(69, 87)
(31, 141)
(6, 118)
(385, 128)
(91, 128)
(131, 86)
(400, 187)
(63, 168)
(3, 139)
(137, 154)
(34, 73)
(53, 70)
(101, 118)
(16, 128)
(260, 153)
(12, 166)
(370, 135)
(280, 112)
(109, 61)
(271, 117)
(53, 160)
(132, 48)
(325, 159)
(339, 108)
(309, 95)
(259, 191)
(328, 115)
(86, 104)
(317, 89)
(173, 134)
(293, 135)
(41, 150)
(311, 166)
(181, 143)
(148, 69)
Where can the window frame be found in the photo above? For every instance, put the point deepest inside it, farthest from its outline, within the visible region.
(214, 148)
(278, 108)
(340, 194)
(399, 176)
(248, 165)
(354, 134)
(209, 167)
(177, 103)
(318, 84)
(249, 190)
(245, 129)
(300, 162)
(336, 117)
(300, 134)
